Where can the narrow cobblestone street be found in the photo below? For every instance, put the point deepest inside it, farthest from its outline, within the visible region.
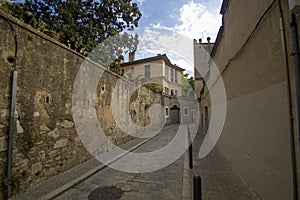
(163, 184)
(91, 180)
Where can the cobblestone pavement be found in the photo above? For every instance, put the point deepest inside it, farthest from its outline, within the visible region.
(219, 180)
(163, 184)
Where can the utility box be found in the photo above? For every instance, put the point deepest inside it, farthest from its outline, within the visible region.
(294, 6)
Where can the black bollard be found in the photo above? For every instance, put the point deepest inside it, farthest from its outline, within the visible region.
(190, 150)
(197, 187)
(191, 155)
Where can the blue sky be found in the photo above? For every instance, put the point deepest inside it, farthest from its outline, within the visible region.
(195, 18)
(172, 27)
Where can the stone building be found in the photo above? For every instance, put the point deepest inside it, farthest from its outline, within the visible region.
(258, 66)
(158, 69)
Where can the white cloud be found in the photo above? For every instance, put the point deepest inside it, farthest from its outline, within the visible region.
(141, 1)
(196, 21)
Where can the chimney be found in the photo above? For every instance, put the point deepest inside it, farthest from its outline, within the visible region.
(208, 40)
(200, 40)
(131, 56)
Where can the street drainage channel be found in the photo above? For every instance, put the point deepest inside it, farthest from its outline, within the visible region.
(106, 193)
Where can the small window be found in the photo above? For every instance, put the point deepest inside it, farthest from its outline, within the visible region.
(122, 72)
(147, 71)
(167, 111)
(47, 100)
(166, 90)
(167, 72)
(176, 79)
(172, 75)
(185, 111)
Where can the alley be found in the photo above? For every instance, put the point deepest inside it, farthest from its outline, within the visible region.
(163, 184)
(91, 180)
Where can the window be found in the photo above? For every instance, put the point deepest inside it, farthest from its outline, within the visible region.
(192, 114)
(172, 75)
(147, 71)
(122, 72)
(186, 111)
(176, 76)
(167, 112)
(167, 72)
(166, 90)
(132, 70)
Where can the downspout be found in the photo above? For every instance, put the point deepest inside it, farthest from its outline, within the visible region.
(13, 60)
(292, 130)
(296, 60)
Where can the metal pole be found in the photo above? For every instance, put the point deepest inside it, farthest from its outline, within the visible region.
(11, 131)
(296, 62)
(295, 54)
(191, 155)
(190, 143)
(197, 187)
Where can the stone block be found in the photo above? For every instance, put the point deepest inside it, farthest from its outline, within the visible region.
(36, 114)
(3, 144)
(4, 113)
(54, 153)
(61, 143)
(20, 129)
(44, 127)
(17, 115)
(42, 155)
(35, 168)
(67, 124)
(54, 134)
(22, 164)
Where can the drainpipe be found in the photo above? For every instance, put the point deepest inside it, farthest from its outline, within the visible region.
(12, 60)
(296, 60)
(292, 130)
(296, 63)
(11, 131)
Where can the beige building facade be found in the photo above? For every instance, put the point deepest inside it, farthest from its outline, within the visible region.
(156, 69)
(253, 54)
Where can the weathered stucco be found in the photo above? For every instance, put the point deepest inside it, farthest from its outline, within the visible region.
(256, 135)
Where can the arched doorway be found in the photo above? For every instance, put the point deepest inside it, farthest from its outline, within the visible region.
(175, 115)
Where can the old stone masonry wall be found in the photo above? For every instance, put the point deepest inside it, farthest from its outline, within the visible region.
(45, 138)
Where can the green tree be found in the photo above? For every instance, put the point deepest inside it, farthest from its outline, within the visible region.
(80, 24)
(188, 85)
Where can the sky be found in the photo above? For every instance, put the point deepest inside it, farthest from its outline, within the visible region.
(191, 19)
(195, 18)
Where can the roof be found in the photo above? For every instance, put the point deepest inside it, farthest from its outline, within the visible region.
(221, 30)
(158, 57)
(224, 7)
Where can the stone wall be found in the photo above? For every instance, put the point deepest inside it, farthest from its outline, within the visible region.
(45, 139)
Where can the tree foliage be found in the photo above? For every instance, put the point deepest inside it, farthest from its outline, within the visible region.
(80, 24)
(188, 85)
